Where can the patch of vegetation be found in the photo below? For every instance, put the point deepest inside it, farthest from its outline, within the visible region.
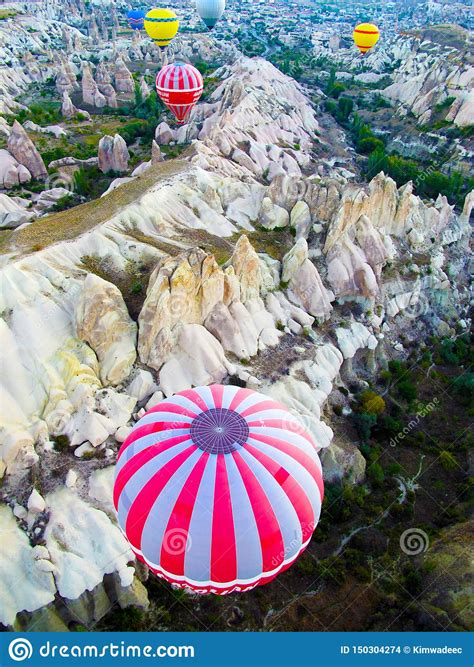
(445, 104)
(46, 113)
(61, 443)
(90, 182)
(65, 202)
(7, 14)
(428, 182)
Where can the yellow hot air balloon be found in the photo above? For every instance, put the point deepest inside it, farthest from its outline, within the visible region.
(365, 35)
(161, 25)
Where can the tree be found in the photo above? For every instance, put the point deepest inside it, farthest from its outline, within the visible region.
(448, 461)
(368, 145)
(376, 163)
(407, 390)
(331, 81)
(337, 89)
(345, 105)
(372, 403)
(138, 95)
(376, 474)
(364, 423)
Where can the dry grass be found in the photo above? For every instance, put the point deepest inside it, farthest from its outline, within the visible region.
(69, 224)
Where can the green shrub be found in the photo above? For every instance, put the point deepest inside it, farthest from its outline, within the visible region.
(90, 182)
(396, 367)
(364, 423)
(464, 385)
(376, 474)
(407, 390)
(61, 442)
(330, 106)
(372, 403)
(448, 461)
(445, 104)
(388, 427)
(370, 144)
(63, 203)
(136, 287)
(345, 105)
(337, 89)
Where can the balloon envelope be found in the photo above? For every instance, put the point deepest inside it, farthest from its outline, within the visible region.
(218, 489)
(161, 25)
(365, 35)
(179, 86)
(210, 11)
(135, 19)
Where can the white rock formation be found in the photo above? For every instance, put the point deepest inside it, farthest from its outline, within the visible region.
(24, 151)
(12, 173)
(305, 287)
(300, 219)
(124, 82)
(104, 323)
(113, 154)
(55, 130)
(14, 211)
(90, 90)
(68, 110)
(164, 134)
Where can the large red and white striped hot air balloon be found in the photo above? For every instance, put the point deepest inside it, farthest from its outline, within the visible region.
(218, 489)
(179, 86)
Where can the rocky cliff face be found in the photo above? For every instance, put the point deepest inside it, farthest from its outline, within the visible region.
(189, 274)
(424, 74)
(429, 75)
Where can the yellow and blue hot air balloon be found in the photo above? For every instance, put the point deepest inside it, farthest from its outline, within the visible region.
(161, 25)
(365, 35)
(210, 11)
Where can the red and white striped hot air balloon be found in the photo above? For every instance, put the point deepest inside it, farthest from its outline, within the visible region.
(218, 489)
(179, 86)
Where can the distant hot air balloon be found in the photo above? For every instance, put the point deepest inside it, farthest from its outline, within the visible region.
(161, 25)
(365, 35)
(218, 489)
(210, 11)
(135, 19)
(179, 86)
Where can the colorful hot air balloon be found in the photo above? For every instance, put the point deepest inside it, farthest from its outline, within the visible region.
(135, 19)
(365, 35)
(210, 11)
(218, 489)
(161, 25)
(179, 86)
